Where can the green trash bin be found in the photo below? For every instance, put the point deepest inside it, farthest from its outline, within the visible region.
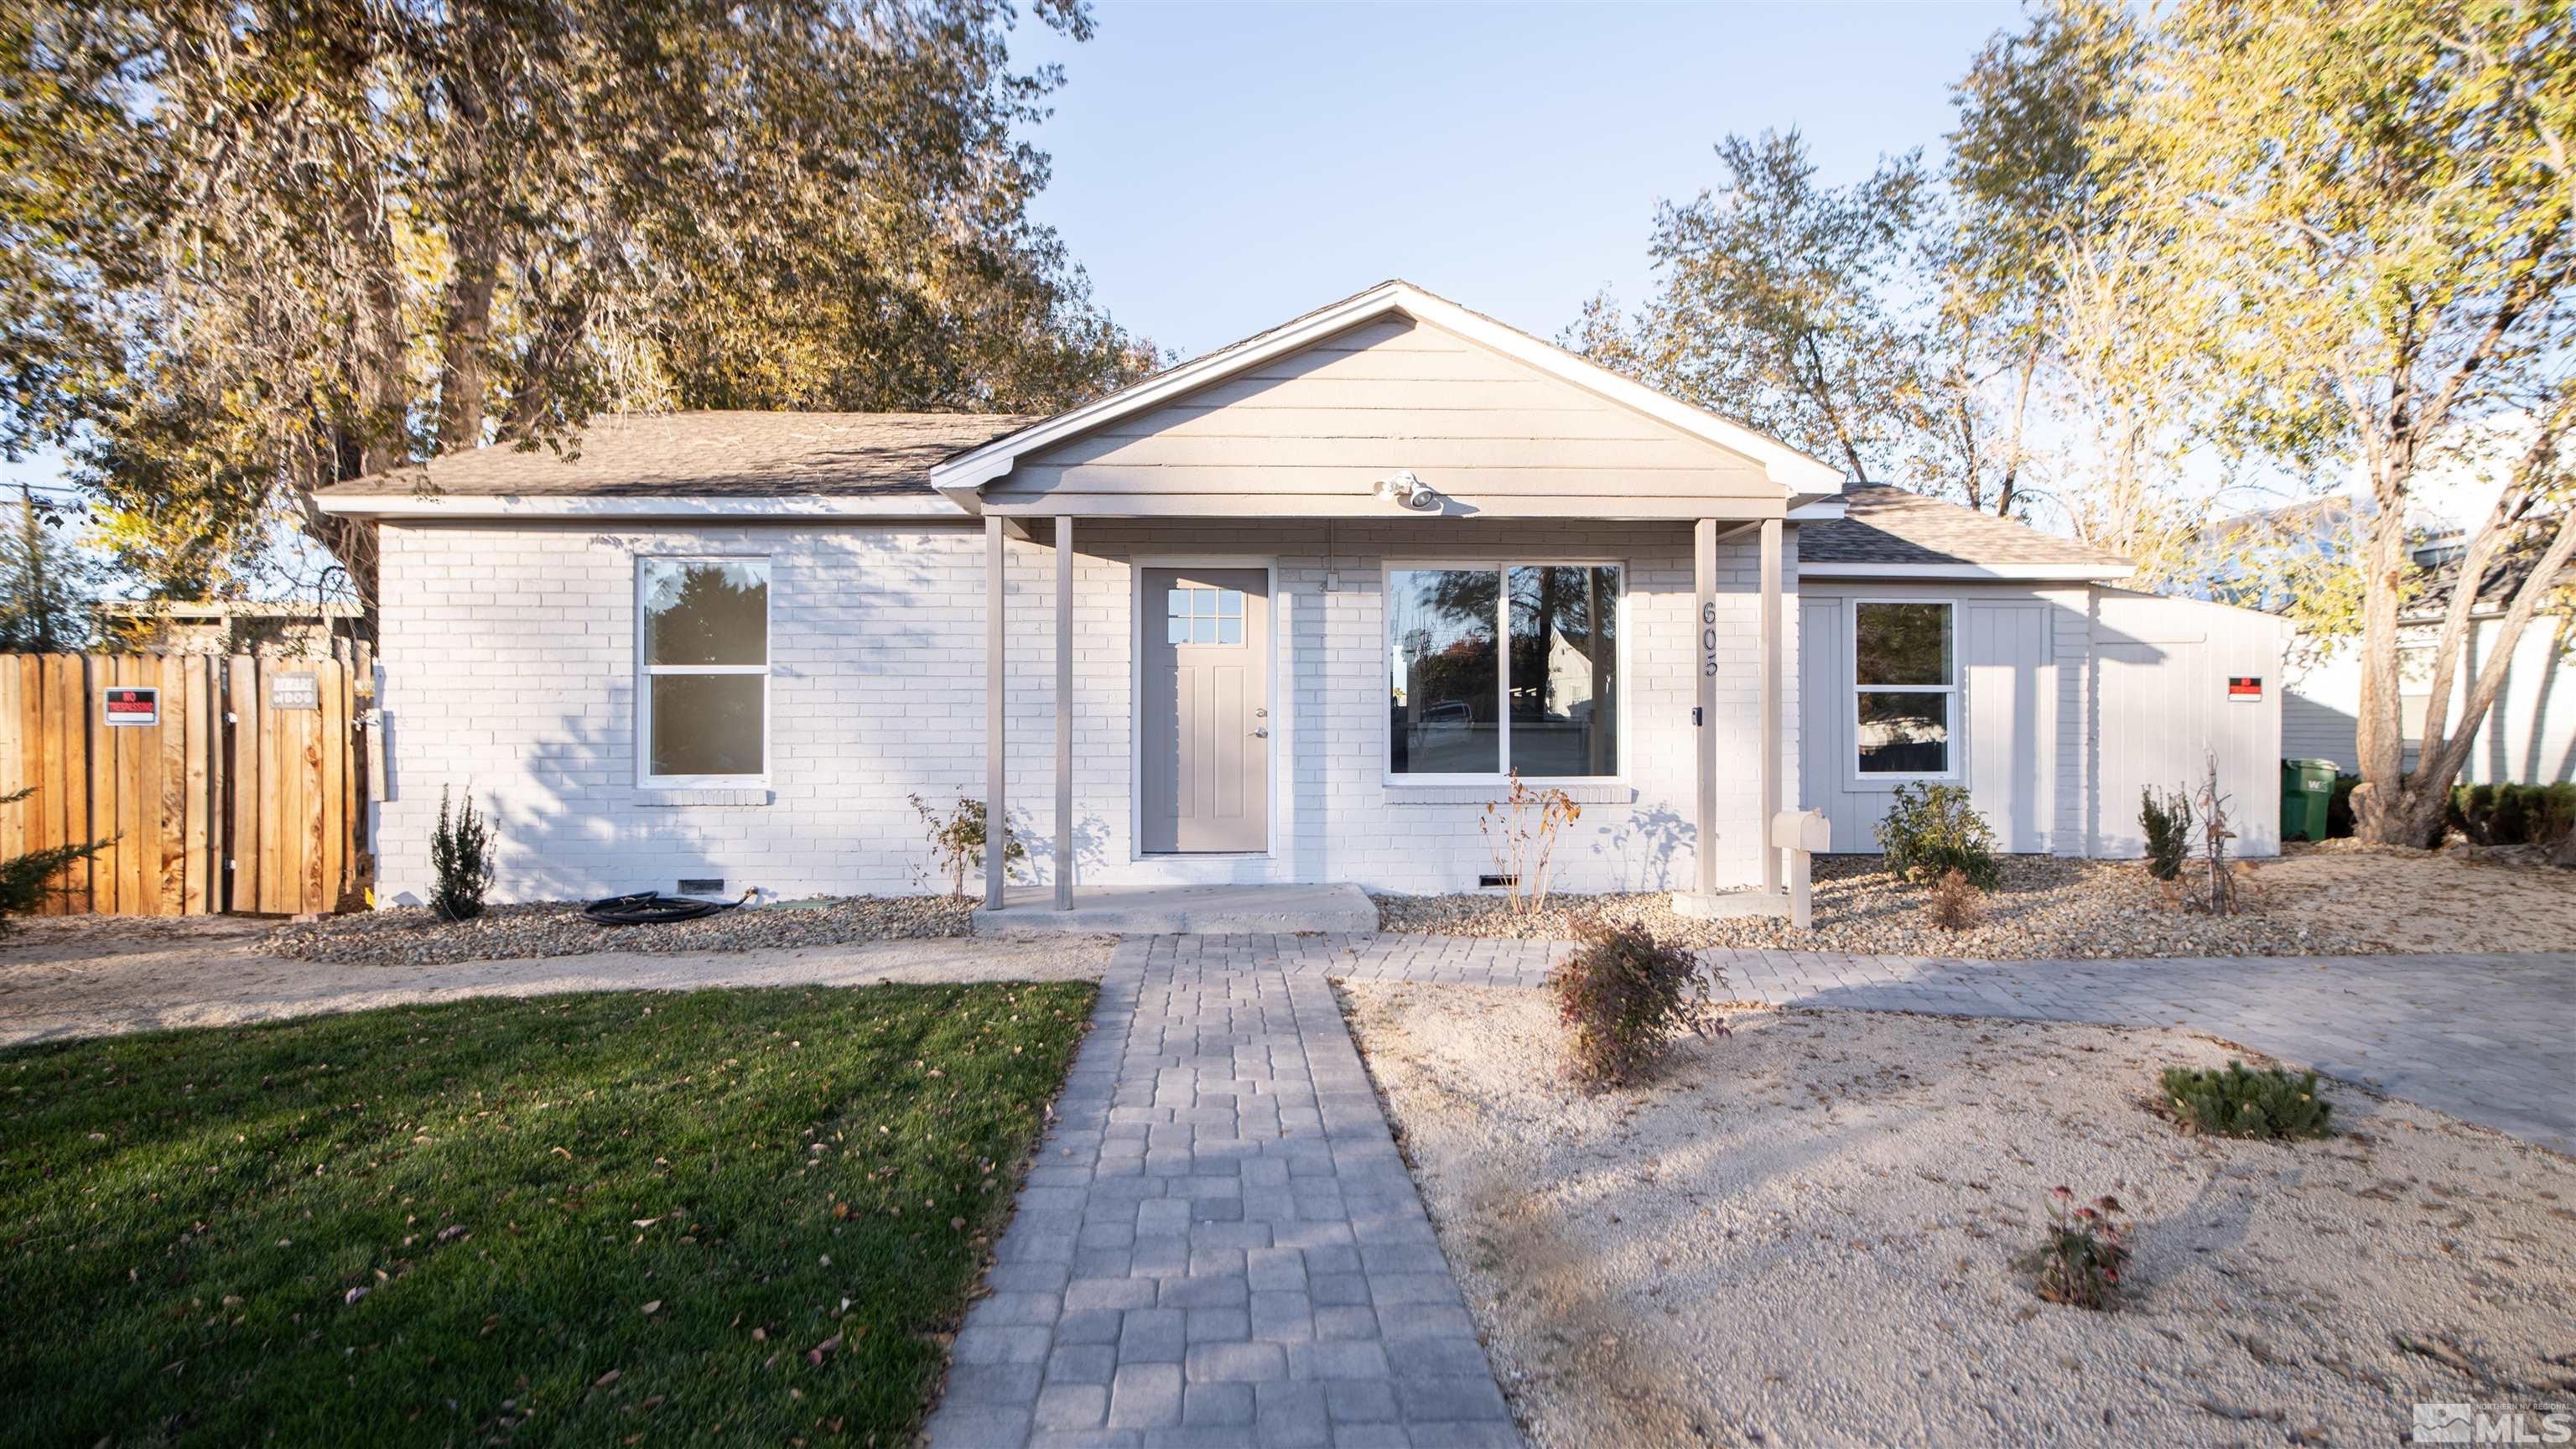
(2306, 787)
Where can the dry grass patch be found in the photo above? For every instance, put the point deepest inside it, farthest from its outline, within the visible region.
(1809, 1234)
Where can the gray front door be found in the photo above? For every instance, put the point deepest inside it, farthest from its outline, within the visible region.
(1204, 711)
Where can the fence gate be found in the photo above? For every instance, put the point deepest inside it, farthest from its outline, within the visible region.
(220, 783)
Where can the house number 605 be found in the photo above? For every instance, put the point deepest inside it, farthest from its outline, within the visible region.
(1708, 638)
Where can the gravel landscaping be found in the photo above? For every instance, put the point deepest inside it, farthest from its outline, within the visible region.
(1807, 1233)
(416, 936)
(2314, 901)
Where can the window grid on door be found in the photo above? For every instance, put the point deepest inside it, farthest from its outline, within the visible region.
(1195, 614)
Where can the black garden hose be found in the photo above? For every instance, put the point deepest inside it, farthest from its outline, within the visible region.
(652, 908)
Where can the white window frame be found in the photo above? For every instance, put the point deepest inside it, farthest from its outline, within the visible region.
(646, 669)
(1388, 569)
(1951, 742)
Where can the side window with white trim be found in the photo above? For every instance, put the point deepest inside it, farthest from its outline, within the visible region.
(1905, 687)
(704, 697)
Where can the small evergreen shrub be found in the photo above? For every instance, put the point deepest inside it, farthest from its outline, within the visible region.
(23, 878)
(1931, 830)
(2238, 1102)
(1621, 996)
(460, 850)
(2080, 1261)
(2166, 819)
(1954, 902)
(2339, 808)
(2513, 814)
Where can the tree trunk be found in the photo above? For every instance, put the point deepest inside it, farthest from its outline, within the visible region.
(1833, 416)
(465, 375)
(2379, 804)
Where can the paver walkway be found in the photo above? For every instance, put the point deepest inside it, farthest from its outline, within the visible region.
(1219, 1244)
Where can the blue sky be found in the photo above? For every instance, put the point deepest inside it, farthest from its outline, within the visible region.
(1223, 167)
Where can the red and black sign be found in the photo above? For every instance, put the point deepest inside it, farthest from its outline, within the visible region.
(2244, 688)
(128, 706)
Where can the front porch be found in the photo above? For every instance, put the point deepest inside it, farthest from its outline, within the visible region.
(1692, 722)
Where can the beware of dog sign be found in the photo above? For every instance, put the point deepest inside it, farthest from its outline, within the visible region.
(132, 705)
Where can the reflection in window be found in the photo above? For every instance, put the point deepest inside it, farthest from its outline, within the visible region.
(1564, 662)
(1905, 677)
(1450, 686)
(1194, 615)
(1445, 698)
(706, 667)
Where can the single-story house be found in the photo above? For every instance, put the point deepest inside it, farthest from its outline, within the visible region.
(1290, 612)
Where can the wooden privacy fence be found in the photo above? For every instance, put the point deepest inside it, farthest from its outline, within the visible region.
(242, 794)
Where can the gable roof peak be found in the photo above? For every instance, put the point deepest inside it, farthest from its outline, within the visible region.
(1796, 474)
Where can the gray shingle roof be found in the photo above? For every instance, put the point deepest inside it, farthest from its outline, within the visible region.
(1885, 525)
(743, 454)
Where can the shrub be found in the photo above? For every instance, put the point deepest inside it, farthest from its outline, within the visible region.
(2513, 814)
(460, 850)
(1621, 995)
(1521, 829)
(2079, 1264)
(2339, 808)
(23, 878)
(1954, 902)
(957, 841)
(2242, 1103)
(2166, 819)
(1931, 830)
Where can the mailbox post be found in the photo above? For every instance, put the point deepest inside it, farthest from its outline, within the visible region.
(1802, 833)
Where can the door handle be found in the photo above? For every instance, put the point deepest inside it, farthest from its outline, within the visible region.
(1262, 733)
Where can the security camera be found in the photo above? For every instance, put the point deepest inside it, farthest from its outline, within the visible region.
(1408, 491)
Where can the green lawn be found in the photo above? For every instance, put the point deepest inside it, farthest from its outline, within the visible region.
(609, 1219)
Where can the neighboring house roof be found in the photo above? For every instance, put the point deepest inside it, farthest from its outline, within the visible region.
(2504, 578)
(1888, 532)
(1794, 472)
(748, 455)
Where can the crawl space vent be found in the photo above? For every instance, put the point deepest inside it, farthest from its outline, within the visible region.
(702, 887)
(1490, 881)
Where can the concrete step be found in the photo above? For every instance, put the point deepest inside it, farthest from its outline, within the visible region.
(1211, 910)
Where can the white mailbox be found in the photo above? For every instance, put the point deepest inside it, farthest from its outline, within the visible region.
(1806, 830)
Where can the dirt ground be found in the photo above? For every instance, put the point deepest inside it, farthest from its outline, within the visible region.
(2405, 901)
(1805, 1233)
(2335, 900)
(67, 976)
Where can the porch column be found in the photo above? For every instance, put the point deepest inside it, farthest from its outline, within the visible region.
(1771, 531)
(1704, 715)
(1064, 712)
(997, 819)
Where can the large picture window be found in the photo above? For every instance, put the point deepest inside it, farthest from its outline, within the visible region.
(1905, 684)
(705, 691)
(1502, 667)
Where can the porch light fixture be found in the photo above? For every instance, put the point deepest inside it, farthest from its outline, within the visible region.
(1405, 490)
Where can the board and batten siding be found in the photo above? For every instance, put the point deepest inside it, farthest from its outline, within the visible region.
(1315, 429)
(2161, 667)
(2008, 728)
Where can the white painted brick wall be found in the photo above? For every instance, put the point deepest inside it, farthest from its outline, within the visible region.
(510, 662)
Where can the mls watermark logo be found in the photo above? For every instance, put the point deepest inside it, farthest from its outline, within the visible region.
(2479, 1424)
